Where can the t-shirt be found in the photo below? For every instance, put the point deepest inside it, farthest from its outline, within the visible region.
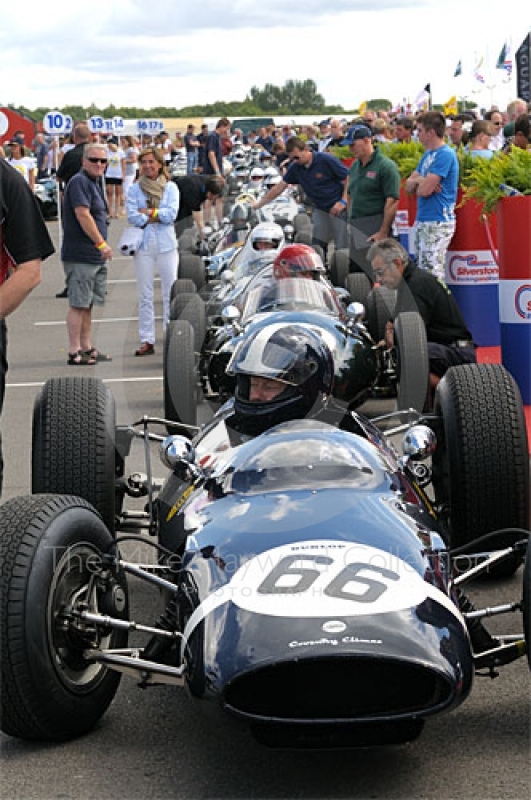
(371, 184)
(24, 165)
(322, 180)
(439, 206)
(114, 163)
(23, 234)
(188, 139)
(77, 246)
(213, 145)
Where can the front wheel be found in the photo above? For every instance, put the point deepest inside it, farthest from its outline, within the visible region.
(50, 560)
(481, 464)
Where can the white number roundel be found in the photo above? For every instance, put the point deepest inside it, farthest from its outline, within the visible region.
(326, 578)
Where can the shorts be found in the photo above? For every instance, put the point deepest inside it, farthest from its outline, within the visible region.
(113, 181)
(86, 284)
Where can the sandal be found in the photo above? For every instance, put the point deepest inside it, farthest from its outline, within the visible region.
(93, 353)
(146, 349)
(80, 359)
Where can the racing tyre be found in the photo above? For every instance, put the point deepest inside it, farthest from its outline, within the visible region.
(50, 548)
(191, 307)
(380, 308)
(179, 374)
(339, 267)
(73, 448)
(481, 466)
(526, 604)
(187, 242)
(192, 267)
(303, 237)
(301, 222)
(412, 361)
(358, 286)
(182, 285)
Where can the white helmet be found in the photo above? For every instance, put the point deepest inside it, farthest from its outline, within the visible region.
(268, 232)
(256, 175)
(272, 180)
(269, 171)
(239, 157)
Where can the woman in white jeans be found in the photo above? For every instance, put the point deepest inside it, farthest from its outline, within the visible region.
(153, 204)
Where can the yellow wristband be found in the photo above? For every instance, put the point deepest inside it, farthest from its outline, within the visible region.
(101, 245)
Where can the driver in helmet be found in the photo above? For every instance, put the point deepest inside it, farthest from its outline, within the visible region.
(298, 261)
(281, 373)
(267, 236)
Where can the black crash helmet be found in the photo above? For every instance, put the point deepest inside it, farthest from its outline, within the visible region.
(295, 356)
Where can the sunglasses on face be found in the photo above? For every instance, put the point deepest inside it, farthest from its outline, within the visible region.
(97, 160)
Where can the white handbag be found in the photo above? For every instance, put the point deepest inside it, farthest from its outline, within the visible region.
(130, 240)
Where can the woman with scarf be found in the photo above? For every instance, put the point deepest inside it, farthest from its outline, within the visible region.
(153, 204)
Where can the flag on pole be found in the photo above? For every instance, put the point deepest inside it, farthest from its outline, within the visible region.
(523, 57)
(458, 69)
(478, 72)
(423, 99)
(505, 60)
(450, 107)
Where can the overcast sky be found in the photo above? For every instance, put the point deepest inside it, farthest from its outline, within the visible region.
(178, 53)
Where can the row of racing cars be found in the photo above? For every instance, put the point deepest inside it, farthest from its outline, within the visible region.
(310, 570)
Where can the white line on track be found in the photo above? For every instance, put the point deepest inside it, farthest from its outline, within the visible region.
(94, 321)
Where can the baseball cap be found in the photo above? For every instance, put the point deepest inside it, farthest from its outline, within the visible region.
(357, 132)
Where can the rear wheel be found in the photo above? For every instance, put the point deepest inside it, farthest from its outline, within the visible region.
(358, 286)
(192, 267)
(303, 237)
(73, 449)
(182, 285)
(481, 466)
(187, 242)
(413, 364)
(50, 552)
(380, 309)
(301, 222)
(339, 267)
(180, 380)
(191, 307)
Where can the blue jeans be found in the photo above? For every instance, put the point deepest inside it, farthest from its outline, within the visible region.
(191, 163)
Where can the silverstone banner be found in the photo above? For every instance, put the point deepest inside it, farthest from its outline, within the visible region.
(523, 80)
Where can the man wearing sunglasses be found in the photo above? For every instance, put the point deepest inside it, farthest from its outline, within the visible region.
(85, 253)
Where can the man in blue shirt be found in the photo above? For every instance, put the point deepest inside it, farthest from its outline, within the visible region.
(435, 183)
(322, 177)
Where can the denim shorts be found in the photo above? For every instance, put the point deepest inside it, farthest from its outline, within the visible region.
(86, 284)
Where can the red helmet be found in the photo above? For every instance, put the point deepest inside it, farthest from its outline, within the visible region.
(295, 259)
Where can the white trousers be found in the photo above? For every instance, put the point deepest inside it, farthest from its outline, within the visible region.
(146, 260)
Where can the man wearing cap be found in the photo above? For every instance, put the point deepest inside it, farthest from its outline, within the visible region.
(371, 195)
(323, 178)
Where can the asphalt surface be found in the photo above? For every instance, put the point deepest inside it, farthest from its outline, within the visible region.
(159, 743)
